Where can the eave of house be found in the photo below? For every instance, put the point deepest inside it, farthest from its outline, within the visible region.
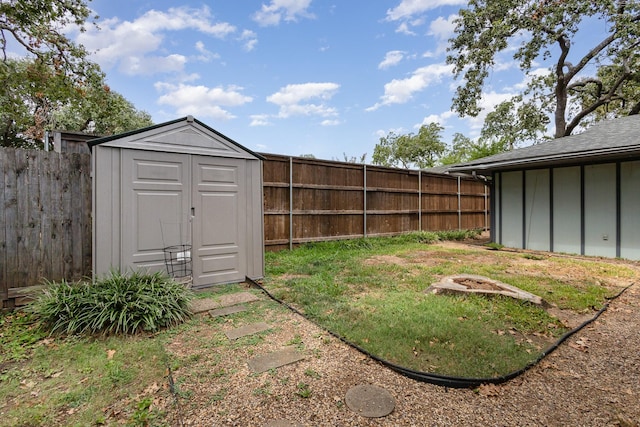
(610, 140)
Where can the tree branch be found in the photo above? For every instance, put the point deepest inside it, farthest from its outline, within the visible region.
(590, 55)
(603, 100)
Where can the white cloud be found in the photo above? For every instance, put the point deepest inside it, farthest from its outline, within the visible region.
(260, 120)
(298, 99)
(524, 83)
(322, 110)
(129, 44)
(400, 91)
(205, 55)
(487, 104)
(441, 119)
(201, 100)
(407, 9)
(380, 133)
(278, 10)
(392, 58)
(403, 28)
(149, 65)
(250, 39)
(330, 122)
(442, 29)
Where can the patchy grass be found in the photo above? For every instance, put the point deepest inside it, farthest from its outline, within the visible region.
(62, 381)
(56, 370)
(371, 293)
(74, 380)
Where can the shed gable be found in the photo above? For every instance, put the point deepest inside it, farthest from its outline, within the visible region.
(184, 136)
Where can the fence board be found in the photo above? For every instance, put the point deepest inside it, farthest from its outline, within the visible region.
(334, 200)
(46, 221)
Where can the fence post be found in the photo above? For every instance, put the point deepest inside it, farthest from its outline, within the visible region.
(459, 207)
(364, 212)
(419, 200)
(486, 209)
(290, 203)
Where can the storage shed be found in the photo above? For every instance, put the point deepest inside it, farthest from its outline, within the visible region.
(578, 194)
(178, 184)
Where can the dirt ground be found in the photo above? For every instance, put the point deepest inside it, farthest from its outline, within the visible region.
(593, 379)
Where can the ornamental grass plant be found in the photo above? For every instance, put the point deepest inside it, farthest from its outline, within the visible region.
(114, 304)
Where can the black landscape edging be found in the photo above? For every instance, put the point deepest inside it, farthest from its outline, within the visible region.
(445, 380)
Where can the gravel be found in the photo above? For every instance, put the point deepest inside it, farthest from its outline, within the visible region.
(593, 379)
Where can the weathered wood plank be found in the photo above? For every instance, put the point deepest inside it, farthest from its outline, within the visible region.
(87, 229)
(56, 219)
(11, 218)
(66, 206)
(21, 264)
(78, 203)
(4, 168)
(23, 291)
(45, 263)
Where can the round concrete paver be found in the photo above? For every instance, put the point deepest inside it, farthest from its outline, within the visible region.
(370, 401)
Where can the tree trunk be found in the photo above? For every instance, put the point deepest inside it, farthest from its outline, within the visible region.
(561, 89)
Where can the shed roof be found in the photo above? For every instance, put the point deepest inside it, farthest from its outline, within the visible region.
(184, 135)
(615, 139)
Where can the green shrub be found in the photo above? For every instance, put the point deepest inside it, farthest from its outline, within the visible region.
(458, 234)
(115, 304)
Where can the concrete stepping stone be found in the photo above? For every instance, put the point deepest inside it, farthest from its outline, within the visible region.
(225, 311)
(370, 401)
(245, 330)
(273, 360)
(206, 304)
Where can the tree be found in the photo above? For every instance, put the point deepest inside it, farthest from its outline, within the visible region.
(351, 159)
(38, 28)
(421, 150)
(35, 98)
(464, 149)
(510, 123)
(29, 92)
(54, 85)
(549, 29)
(101, 111)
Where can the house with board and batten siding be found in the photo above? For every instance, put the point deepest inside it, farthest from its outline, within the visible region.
(579, 194)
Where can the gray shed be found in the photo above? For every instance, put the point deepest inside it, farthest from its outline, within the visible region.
(178, 184)
(577, 194)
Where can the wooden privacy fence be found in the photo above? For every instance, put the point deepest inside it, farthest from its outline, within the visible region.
(45, 223)
(310, 200)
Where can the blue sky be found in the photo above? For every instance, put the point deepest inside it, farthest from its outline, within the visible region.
(290, 77)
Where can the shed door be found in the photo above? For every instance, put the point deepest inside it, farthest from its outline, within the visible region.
(219, 209)
(155, 204)
(170, 199)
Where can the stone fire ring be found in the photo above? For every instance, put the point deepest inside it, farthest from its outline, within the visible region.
(474, 284)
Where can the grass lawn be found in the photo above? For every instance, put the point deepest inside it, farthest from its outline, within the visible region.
(371, 292)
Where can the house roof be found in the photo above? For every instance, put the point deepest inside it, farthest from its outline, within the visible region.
(174, 124)
(616, 139)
